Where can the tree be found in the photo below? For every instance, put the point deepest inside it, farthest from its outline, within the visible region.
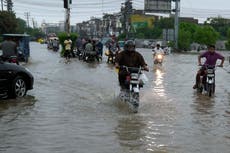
(21, 25)
(186, 35)
(184, 39)
(228, 39)
(165, 23)
(220, 24)
(148, 33)
(8, 22)
(206, 35)
(191, 27)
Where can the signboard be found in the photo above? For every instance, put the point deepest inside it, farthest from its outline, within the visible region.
(142, 21)
(158, 6)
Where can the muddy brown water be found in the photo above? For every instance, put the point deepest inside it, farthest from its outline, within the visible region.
(74, 108)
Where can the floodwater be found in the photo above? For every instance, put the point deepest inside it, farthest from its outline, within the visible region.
(74, 108)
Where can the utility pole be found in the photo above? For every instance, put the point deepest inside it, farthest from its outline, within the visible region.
(128, 10)
(27, 15)
(176, 22)
(9, 5)
(2, 4)
(67, 20)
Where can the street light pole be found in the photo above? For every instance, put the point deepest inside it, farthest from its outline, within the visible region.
(2, 4)
(176, 22)
(67, 21)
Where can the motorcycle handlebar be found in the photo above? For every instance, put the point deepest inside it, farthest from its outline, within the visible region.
(205, 65)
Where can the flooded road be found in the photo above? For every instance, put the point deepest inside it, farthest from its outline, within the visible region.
(73, 108)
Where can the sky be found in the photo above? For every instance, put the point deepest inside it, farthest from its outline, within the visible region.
(52, 11)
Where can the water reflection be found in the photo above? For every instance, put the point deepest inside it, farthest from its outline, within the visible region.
(130, 133)
(203, 104)
(159, 81)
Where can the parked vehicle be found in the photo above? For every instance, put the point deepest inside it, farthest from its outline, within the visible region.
(15, 80)
(22, 41)
(133, 84)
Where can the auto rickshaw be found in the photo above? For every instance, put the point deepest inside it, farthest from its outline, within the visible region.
(22, 41)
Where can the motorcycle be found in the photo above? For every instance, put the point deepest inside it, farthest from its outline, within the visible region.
(79, 53)
(55, 48)
(158, 58)
(134, 81)
(207, 81)
(11, 59)
(111, 57)
(91, 56)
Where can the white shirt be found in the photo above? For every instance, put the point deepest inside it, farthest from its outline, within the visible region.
(158, 50)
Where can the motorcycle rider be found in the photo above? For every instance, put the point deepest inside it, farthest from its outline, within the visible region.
(55, 44)
(113, 49)
(99, 47)
(211, 57)
(130, 58)
(9, 48)
(156, 51)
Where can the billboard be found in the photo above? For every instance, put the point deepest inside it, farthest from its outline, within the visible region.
(141, 21)
(158, 6)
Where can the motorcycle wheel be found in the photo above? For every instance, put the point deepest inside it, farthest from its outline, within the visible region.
(210, 89)
(134, 100)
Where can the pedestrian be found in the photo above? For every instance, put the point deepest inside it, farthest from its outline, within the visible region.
(99, 47)
(68, 44)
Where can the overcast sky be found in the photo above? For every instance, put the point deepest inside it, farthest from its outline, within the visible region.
(52, 11)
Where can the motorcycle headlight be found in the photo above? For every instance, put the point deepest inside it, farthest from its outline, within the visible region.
(159, 56)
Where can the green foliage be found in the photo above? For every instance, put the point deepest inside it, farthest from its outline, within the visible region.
(206, 35)
(184, 39)
(165, 23)
(186, 35)
(228, 39)
(191, 27)
(35, 33)
(220, 24)
(122, 36)
(21, 25)
(148, 33)
(8, 22)
(63, 36)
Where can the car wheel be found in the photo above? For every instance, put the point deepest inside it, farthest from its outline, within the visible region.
(18, 87)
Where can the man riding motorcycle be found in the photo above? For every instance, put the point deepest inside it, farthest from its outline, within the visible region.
(130, 58)
(114, 48)
(211, 57)
(158, 53)
(9, 50)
